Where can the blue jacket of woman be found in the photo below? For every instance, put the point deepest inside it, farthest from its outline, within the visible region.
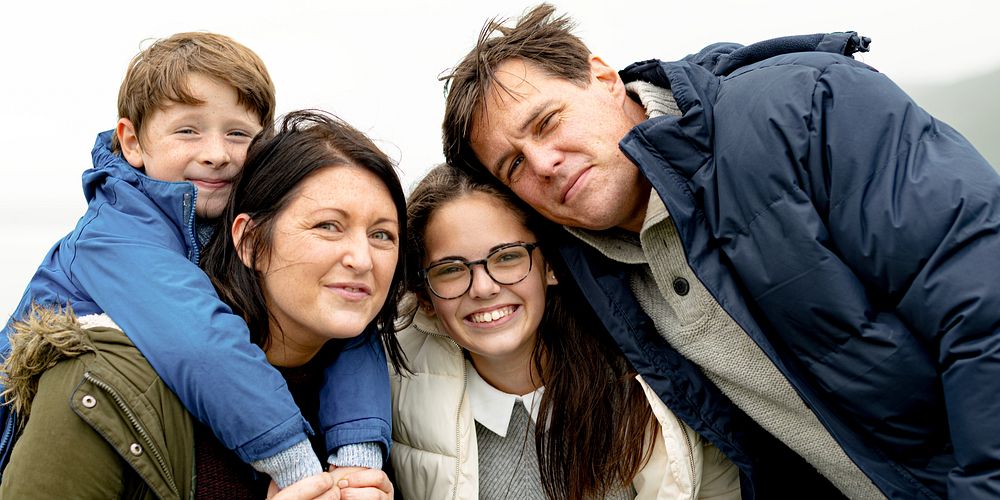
(855, 238)
(134, 255)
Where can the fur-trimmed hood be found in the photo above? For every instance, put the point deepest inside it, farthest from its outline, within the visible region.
(47, 336)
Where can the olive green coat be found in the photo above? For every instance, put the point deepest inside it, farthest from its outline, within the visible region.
(101, 425)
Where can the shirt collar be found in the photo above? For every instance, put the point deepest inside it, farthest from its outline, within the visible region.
(493, 408)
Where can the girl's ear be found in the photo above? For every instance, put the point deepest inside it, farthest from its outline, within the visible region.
(550, 276)
(128, 140)
(425, 305)
(241, 225)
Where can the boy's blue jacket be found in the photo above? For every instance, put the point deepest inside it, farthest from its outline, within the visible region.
(134, 256)
(856, 240)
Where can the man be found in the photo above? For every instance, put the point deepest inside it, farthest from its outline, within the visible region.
(798, 258)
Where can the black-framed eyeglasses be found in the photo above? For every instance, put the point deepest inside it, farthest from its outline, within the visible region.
(507, 264)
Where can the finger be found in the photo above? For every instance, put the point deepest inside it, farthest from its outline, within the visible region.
(342, 472)
(333, 493)
(365, 494)
(366, 478)
(309, 488)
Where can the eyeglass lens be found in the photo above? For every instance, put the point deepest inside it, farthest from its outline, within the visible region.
(505, 266)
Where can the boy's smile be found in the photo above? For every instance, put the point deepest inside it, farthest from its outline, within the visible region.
(205, 144)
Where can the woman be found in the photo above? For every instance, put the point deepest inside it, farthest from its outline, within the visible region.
(308, 252)
(499, 344)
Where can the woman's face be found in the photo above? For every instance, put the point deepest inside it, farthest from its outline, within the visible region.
(334, 252)
(470, 228)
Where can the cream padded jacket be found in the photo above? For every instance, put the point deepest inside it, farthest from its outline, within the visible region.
(434, 452)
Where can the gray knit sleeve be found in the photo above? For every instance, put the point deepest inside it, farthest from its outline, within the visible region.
(291, 465)
(357, 455)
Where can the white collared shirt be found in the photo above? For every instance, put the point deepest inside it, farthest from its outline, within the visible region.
(493, 408)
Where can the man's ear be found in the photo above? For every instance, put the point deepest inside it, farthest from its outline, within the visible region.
(128, 140)
(601, 73)
(241, 225)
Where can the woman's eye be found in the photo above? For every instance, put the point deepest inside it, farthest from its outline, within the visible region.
(384, 235)
(328, 226)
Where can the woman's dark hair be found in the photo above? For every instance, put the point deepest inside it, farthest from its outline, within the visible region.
(277, 163)
(598, 414)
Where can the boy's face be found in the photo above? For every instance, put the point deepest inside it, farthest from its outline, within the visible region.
(204, 144)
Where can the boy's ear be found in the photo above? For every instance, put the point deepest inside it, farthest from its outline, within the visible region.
(242, 223)
(128, 140)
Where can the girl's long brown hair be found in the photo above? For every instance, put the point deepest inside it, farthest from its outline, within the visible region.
(598, 415)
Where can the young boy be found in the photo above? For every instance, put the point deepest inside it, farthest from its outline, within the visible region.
(188, 108)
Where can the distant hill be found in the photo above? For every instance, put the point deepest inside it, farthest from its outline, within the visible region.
(971, 106)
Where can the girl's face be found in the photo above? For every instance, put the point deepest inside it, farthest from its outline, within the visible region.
(334, 253)
(490, 320)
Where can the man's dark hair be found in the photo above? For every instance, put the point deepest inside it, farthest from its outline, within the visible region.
(539, 38)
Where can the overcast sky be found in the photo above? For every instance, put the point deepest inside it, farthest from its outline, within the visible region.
(375, 63)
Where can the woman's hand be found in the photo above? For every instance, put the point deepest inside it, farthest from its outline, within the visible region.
(318, 487)
(360, 483)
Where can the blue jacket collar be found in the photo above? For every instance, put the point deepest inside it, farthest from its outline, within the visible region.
(175, 199)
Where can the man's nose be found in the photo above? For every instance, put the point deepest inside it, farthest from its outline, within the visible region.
(544, 160)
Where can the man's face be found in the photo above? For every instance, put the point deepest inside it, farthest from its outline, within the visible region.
(555, 143)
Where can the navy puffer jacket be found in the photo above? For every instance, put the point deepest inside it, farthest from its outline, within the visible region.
(856, 240)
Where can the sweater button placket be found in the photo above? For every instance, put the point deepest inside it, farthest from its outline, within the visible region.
(681, 286)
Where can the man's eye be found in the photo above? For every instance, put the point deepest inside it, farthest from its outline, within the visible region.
(545, 123)
(514, 164)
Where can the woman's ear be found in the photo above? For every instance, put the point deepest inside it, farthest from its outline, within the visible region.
(241, 225)
(128, 140)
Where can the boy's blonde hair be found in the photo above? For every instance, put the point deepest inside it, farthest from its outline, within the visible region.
(158, 75)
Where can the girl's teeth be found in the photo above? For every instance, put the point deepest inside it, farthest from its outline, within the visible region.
(491, 316)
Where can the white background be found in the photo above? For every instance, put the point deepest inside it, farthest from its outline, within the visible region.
(375, 63)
